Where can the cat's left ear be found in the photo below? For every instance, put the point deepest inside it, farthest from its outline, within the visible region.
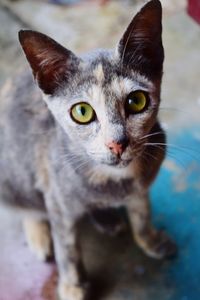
(51, 63)
(141, 48)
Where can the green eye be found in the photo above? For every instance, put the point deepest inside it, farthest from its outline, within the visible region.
(136, 102)
(82, 113)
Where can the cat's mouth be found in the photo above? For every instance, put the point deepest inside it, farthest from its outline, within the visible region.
(118, 163)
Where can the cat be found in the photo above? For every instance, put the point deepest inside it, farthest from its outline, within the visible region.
(89, 146)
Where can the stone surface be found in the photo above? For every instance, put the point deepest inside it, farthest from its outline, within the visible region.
(10, 54)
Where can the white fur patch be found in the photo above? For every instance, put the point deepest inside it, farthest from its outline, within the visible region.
(4, 98)
(95, 93)
(143, 81)
(6, 88)
(123, 86)
(102, 174)
(98, 73)
(38, 237)
(70, 292)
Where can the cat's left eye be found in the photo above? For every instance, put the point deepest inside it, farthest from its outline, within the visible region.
(136, 102)
(82, 113)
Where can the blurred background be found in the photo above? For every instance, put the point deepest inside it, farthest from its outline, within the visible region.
(118, 268)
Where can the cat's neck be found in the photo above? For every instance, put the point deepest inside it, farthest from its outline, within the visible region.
(100, 174)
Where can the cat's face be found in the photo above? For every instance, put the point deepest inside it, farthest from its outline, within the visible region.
(106, 102)
(105, 105)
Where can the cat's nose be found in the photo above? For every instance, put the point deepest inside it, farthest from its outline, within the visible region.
(118, 147)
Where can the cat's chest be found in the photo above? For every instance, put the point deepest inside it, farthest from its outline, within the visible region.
(111, 192)
(99, 191)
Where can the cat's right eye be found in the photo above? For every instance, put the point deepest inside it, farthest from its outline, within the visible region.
(82, 113)
(136, 102)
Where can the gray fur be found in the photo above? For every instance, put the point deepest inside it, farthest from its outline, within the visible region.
(51, 164)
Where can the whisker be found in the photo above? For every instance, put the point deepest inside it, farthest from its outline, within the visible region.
(150, 155)
(84, 164)
(169, 154)
(174, 157)
(124, 50)
(133, 56)
(175, 109)
(151, 134)
(180, 148)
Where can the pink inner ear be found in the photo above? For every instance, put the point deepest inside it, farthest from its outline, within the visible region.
(50, 62)
(50, 70)
(141, 46)
(146, 23)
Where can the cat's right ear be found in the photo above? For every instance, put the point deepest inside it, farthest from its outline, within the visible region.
(140, 48)
(51, 63)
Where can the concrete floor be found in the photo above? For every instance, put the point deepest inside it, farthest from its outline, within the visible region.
(117, 267)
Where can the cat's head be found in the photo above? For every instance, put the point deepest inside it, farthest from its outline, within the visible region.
(106, 101)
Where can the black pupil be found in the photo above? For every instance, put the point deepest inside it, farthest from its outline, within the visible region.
(134, 100)
(82, 110)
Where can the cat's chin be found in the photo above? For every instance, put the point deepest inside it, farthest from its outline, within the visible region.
(119, 163)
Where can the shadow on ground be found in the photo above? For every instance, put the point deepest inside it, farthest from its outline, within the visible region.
(118, 269)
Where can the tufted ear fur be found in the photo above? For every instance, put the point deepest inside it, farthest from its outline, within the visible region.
(141, 45)
(51, 63)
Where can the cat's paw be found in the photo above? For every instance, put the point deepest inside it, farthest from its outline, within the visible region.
(112, 229)
(38, 237)
(157, 245)
(70, 292)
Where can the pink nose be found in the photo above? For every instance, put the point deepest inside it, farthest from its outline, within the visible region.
(116, 148)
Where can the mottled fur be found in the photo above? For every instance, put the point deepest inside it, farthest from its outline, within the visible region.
(62, 170)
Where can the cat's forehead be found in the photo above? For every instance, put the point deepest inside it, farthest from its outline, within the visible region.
(101, 78)
(104, 69)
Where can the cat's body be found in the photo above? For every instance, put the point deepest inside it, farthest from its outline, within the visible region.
(32, 143)
(63, 169)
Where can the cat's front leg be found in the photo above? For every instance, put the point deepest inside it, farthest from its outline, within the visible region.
(38, 236)
(72, 279)
(153, 242)
(72, 284)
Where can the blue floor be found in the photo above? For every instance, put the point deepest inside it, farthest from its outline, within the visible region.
(176, 208)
